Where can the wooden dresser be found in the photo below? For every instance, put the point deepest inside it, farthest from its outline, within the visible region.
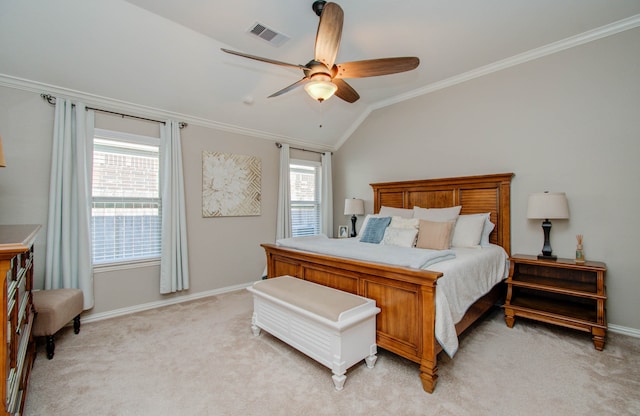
(17, 347)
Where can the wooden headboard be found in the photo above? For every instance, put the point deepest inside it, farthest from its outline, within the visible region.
(476, 194)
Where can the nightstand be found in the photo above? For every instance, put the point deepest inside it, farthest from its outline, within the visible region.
(559, 292)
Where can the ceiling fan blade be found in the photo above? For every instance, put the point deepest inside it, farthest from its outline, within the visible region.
(345, 91)
(290, 87)
(375, 67)
(329, 34)
(258, 58)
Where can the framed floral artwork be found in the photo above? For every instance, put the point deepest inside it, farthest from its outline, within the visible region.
(231, 185)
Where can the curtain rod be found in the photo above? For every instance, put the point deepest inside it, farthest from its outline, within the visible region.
(52, 100)
(279, 145)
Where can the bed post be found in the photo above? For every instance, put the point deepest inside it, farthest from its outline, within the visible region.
(428, 360)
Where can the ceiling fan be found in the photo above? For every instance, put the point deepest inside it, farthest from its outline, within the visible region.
(322, 76)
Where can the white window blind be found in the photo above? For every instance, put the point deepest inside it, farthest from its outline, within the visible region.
(126, 209)
(305, 197)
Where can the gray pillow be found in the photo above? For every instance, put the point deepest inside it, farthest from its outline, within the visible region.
(375, 230)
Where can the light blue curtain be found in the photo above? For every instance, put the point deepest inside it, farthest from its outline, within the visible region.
(283, 220)
(174, 268)
(68, 261)
(326, 197)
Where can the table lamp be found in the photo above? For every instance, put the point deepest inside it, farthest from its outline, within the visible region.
(353, 207)
(547, 206)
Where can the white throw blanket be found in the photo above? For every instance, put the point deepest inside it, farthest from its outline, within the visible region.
(351, 248)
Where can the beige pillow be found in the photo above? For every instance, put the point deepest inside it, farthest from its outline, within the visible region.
(434, 235)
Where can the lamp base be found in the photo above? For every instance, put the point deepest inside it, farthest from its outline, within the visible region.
(353, 226)
(546, 247)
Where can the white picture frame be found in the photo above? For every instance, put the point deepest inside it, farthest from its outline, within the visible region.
(343, 231)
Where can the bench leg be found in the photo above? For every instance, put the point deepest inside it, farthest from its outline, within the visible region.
(51, 346)
(371, 360)
(338, 381)
(254, 328)
(76, 324)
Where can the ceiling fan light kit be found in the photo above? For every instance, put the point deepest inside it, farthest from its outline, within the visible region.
(323, 78)
(320, 87)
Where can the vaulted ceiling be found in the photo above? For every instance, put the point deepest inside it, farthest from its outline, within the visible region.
(164, 55)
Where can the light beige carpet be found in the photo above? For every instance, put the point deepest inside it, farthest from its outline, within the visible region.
(200, 358)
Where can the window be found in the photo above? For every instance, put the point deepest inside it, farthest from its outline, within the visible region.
(126, 208)
(304, 178)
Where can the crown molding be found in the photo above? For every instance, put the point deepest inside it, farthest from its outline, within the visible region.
(150, 112)
(112, 104)
(561, 45)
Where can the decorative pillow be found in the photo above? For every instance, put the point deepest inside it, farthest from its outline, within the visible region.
(486, 231)
(468, 230)
(365, 222)
(396, 212)
(374, 232)
(437, 214)
(434, 235)
(407, 223)
(403, 237)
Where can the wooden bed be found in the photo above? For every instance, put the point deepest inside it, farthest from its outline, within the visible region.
(406, 297)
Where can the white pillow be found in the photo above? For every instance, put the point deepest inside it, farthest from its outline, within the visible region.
(399, 222)
(437, 214)
(486, 230)
(396, 212)
(403, 237)
(468, 230)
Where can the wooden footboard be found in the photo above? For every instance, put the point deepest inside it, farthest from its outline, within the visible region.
(406, 297)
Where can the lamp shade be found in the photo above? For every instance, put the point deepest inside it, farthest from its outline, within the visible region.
(548, 206)
(353, 206)
(3, 163)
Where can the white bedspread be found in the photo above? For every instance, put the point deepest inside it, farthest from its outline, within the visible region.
(469, 273)
(466, 279)
(353, 249)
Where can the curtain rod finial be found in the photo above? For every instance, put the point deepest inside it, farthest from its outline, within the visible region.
(48, 98)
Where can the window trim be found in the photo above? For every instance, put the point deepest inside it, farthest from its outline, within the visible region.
(318, 169)
(131, 138)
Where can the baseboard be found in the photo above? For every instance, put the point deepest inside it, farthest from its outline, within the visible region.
(617, 329)
(624, 330)
(94, 317)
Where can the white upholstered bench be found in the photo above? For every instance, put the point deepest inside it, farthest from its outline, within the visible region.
(333, 327)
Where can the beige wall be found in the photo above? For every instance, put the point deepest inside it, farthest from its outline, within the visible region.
(224, 252)
(568, 122)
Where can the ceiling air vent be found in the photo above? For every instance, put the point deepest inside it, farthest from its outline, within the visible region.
(269, 35)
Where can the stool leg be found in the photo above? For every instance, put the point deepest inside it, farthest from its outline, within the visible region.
(50, 346)
(76, 324)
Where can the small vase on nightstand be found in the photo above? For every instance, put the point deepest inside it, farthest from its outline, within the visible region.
(579, 252)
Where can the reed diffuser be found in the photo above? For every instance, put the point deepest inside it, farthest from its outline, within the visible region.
(579, 251)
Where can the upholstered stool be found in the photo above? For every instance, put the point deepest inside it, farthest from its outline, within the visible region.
(54, 309)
